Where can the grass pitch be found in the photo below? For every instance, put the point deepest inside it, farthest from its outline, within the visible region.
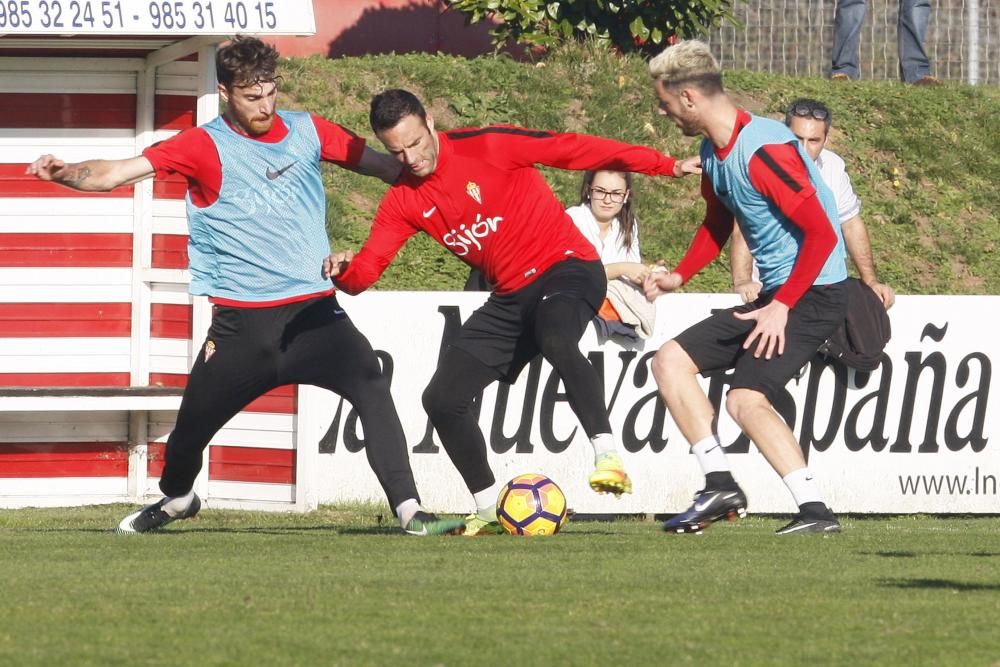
(339, 587)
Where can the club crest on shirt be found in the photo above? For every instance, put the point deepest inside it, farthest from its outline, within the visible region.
(473, 191)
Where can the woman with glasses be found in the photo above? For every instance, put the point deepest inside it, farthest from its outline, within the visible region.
(606, 217)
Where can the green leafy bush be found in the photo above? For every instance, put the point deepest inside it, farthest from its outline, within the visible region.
(628, 25)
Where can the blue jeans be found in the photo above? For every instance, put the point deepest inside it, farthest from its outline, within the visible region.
(911, 30)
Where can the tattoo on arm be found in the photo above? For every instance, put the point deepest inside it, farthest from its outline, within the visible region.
(75, 176)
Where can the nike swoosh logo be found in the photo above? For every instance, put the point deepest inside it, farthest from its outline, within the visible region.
(429, 212)
(272, 174)
(699, 507)
(801, 526)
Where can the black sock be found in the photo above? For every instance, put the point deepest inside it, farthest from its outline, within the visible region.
(720, 481)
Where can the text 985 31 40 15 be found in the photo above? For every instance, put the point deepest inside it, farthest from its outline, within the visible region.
(155, 16)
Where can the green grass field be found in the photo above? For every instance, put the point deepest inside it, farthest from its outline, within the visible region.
(339, 587)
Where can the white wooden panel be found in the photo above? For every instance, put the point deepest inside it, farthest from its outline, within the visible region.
(169, 216)
(58, 136)
(74, 153)
(176, 294)
(62, 492)
(64, 285)
(85, 404)
(64, 224)
(166, 277)
(169, 355)
(163, 135)
(48, 81)
(64, 355)
(176, 84)
(63, 426)
(31, 66)
(174, 224)
(178, 67)
(247, 429)
(237, 495)
(67, 206)
(177, 78)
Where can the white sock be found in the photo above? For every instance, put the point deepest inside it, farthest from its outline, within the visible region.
(177, 505)
(803, 487)
(406, 509)
(604, 443)
(710, 454)
(486, 501)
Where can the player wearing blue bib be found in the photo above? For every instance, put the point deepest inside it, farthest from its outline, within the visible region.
(257, 240)
(754, 171)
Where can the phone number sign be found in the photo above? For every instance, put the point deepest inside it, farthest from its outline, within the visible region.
(156, 17)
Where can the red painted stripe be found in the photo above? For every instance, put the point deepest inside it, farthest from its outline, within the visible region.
(46, 250)
(170, 251)
(70, 110)
(281, 400)
(175, 112)
(251, 464)
(168, 380)
(171, 321)
(155, 458)
(64, 379)
(23, 320)
(64, 459)
(15, 183)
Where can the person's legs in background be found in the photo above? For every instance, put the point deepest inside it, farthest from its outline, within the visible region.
(914, 64)
(849, 16)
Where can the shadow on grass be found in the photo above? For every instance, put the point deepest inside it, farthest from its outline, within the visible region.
(914, 554)
(945, 584)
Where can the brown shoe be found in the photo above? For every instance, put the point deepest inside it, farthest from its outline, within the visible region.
(927, 81)
(839, 76)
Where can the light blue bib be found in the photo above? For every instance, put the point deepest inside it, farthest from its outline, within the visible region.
(773, 240)
(265, 237)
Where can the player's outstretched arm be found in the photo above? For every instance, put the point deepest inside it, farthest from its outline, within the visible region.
(380, 165)
(91, 175)
(661, 282)
(689, 165)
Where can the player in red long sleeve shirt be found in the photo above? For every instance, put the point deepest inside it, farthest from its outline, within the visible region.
(755, 171)
(477, 192)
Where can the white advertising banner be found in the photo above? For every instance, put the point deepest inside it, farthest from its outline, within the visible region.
(918, 435)
(156, 17)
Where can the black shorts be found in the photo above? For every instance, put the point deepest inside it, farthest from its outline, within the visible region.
(501, 333)
(716, 343)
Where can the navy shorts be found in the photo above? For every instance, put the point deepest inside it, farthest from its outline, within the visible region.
(502, 332)
(716, 343)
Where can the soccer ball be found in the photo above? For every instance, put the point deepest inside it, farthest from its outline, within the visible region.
(531, 504)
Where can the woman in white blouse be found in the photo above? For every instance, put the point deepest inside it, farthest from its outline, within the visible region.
(606, 217)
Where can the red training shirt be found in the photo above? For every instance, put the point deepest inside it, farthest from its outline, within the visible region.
(488, 204)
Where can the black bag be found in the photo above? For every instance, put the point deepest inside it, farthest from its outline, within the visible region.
(860, 341)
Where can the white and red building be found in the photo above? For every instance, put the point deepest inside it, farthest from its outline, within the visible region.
(97, 330)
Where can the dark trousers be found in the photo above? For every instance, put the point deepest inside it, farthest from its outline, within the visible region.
(249, 351)
(546, 317)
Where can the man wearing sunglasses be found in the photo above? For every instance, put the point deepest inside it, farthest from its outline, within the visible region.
(754, 171)
(810, 121)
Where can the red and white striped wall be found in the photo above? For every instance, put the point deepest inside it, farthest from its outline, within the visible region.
(93, 287)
